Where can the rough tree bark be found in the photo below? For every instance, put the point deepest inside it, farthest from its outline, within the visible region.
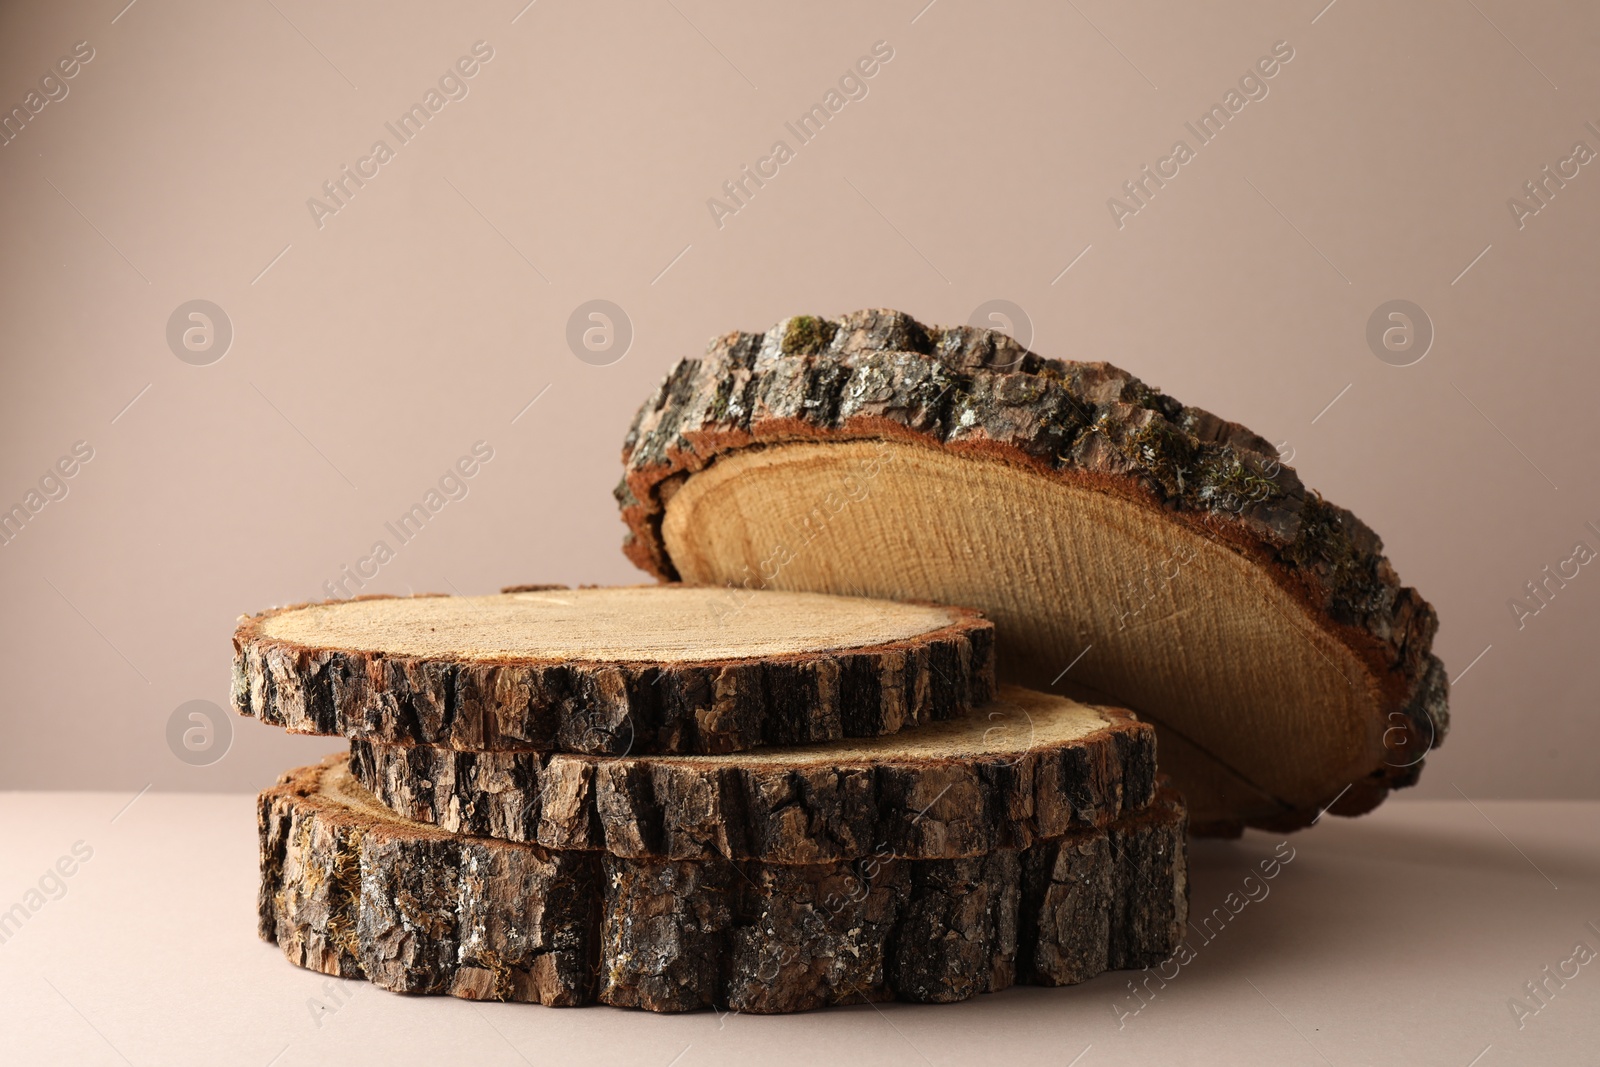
(350, 889)
(566, 671)
(879, 376)
(1022, 768)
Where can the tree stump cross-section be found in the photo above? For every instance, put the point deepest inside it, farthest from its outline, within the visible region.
(1024, 767)
(612, 670)
(1258, 626)
(350, 889)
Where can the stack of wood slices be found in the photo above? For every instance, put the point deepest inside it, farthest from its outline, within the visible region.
(788, 777)
(676, 797)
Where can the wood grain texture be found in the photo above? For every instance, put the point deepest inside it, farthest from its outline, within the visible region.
(1024, 767)
(1143, 458)
(350, 889)
(510, 697)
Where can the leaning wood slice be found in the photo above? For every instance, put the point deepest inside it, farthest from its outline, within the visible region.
(609, 671)
(1023, 767)
(349, 888)
(1259, 627)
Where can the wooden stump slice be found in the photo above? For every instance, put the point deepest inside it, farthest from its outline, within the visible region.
(1259, 627)
(1021, 768)
(349, 888)
(609, 671)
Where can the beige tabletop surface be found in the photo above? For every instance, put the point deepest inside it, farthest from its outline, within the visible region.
(1400, 938)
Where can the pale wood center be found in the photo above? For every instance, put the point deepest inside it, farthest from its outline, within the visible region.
(659, 624)
(1015, 722)
(1256, 698)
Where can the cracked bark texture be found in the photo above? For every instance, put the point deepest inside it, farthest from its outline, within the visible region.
(945, 794)
(879, 374)
(612, 708)
(350, 889)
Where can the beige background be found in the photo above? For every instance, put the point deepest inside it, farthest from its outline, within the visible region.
(370, 353)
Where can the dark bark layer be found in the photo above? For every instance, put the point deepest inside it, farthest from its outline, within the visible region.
(879, 374)
(613, 708)
(350, 889)
(920, 801)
